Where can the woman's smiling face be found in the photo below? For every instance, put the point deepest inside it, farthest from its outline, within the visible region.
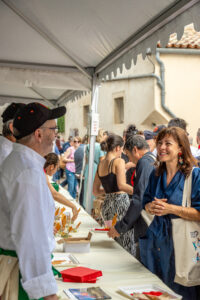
(168, 149)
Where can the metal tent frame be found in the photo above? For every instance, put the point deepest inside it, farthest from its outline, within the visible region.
(78, 76)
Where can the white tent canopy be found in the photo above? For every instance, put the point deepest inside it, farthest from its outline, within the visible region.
(47, 46)
(51, 51)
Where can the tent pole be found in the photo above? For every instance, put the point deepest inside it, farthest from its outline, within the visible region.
(93, 134)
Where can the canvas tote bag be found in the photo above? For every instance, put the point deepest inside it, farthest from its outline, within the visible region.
(186, 239)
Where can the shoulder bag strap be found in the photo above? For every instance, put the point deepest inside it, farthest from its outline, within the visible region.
(186, 201)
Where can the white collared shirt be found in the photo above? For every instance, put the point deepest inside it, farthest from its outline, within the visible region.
(6, 147)
(26, 219)
(194, 151)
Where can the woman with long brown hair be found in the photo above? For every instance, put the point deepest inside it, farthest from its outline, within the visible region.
(163, 199)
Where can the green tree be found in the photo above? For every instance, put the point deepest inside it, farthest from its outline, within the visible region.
(61, 124)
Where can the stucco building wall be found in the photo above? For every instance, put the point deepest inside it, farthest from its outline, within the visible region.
(182, 82)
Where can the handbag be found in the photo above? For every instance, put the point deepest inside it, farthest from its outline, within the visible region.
(186, 239)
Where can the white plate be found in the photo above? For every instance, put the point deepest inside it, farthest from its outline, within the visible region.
(68, 260)
(128, 290)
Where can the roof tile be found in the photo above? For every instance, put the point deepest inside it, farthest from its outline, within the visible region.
(190, 39)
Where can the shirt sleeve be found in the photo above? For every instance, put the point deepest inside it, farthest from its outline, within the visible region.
(29, 233)
(195, 197)
(143, 171)
(150, 190)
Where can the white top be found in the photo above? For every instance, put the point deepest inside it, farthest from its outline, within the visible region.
(194, 151)
(6, 147)
(26, 219)
(198, 153)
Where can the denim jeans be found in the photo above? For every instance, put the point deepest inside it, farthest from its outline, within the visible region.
(72, 183)
(65, 182)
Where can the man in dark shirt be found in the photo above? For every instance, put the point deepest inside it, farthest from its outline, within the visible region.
(138, 152)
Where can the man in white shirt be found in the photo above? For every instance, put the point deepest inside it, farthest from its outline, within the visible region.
(26, 204)
(6, 141)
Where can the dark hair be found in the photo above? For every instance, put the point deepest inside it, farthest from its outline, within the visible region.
(131, 130)
(51, 159)
(177, 122)
(180, 136)
(6, 129)
(136, 141)
(111, 142)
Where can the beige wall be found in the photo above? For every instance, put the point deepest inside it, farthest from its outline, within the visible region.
(182, 81)
(74, 115)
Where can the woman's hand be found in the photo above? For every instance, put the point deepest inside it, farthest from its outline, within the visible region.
(149, 208)
(112, 233)
(160, 207)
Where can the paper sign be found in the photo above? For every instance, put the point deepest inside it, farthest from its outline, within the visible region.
(95, 124)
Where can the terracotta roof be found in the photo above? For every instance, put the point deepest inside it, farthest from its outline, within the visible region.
(190, 39)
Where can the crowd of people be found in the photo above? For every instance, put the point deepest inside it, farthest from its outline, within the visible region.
(163, 159)
(141, 176)
(143, 171)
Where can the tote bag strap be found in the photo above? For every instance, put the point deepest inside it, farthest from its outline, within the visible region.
(186, 201)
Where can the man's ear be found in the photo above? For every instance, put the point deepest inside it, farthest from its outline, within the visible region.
(11, 126)
(38, 135)
(135, 149)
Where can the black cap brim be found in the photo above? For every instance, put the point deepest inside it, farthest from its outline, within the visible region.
(57, 112)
